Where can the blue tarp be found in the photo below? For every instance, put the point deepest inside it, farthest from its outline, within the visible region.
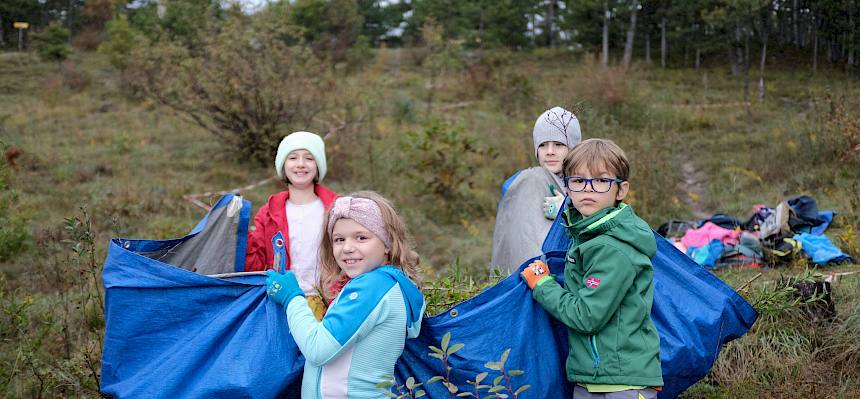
(821, 249)
(173, 333)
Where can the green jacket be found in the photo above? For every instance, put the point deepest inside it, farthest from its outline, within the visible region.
(606, 299)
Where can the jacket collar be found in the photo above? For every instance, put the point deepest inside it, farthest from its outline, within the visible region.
(598, 222)
(278, 203)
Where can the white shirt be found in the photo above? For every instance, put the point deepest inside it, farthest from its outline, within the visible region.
(305, 225)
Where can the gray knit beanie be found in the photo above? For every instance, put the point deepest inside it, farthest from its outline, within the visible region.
(556, 124)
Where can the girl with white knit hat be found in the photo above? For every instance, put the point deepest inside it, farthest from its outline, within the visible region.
(288, 228)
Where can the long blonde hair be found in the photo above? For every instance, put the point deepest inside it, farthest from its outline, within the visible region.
(400, 254)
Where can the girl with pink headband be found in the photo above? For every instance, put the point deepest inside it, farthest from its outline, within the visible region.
(357, 343)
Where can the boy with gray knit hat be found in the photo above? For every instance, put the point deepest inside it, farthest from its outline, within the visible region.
(521, 224)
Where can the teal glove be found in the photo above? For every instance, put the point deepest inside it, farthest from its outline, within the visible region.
(551, 206)
(282, 288)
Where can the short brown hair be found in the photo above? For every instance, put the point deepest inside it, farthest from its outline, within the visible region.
(594, 152)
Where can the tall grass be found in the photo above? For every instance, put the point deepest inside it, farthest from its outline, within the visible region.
(128, 163)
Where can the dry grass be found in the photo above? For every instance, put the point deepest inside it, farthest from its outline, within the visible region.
(129, 162)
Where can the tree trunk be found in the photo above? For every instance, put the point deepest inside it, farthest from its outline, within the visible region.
(815, 51)
(765, 33)
(781, 16)
(761, 69)
(686, 55)
(604, 57)
(160, 8)
(69, 23)
(747, 72)
(2, 33)
(533, 29)
(738, 65)
(795, 23)
(664, 46)
(481, 28)
(850, 33)
(648, 48)
(698, 57)
(631, 32)
(550, 22)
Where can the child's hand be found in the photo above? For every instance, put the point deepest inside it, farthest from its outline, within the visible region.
(551, 206)
(535, 272)
(282, 288)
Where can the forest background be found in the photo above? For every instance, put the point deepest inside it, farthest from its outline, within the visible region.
(112, 113)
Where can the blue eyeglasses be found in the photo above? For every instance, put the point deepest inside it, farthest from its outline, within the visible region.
(598, 184)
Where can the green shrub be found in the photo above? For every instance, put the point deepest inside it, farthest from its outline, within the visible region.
(14, 237)
(246, 87)
(122, 39)
(500, 386)
(441, 161)
(52, 44)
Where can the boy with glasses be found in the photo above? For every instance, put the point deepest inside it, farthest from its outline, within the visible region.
(608, 281)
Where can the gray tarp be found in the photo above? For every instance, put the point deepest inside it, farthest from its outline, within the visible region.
(211, 247)
(520, 224)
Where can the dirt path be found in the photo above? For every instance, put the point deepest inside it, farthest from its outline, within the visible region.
(691, 189)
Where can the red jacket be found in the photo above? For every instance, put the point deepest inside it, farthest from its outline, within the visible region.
(271, 219)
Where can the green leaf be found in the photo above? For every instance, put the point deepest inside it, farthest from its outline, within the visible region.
(436, 355)
(455, 348)
(491, 396)
(410, 382)
(480, 377)
(388, 376)
(495, 366)
(505, 356)
(451, 387)
(435, 349)
(434, 379)
(445, 340)
(420, 393)
(516, 372)
(384, 384)
(464, 394)
(497, 388)
(498, 379)
(503, 395)
(390, 394)
(522, 388)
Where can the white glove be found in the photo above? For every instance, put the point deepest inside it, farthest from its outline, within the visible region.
(551, 206)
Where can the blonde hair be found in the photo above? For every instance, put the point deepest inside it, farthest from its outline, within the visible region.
(592, 153)
(400, 253)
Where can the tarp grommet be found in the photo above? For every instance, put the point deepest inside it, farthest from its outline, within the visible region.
(126, 245)
(453, 313)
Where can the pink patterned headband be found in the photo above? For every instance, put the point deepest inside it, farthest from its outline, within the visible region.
(364, 212)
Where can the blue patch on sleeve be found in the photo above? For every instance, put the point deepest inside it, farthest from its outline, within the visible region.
(358, 299)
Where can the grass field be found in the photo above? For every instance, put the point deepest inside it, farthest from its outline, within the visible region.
(99, 162)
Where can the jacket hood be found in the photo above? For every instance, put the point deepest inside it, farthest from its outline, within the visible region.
(619, 222)
(415, 303)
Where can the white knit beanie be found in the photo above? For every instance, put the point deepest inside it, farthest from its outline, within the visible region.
(301, 141)
(556, 124)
